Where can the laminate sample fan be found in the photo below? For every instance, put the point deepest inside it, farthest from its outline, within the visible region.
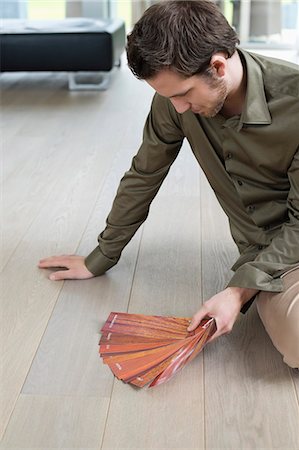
(143, 349)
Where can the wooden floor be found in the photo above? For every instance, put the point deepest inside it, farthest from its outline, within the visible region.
(62, 156)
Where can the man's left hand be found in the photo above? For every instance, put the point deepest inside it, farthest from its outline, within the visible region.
(224, 307)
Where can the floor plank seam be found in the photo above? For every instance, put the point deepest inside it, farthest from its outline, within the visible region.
(107, 415)
(97, 197)
(201, 294)
(204, 400)
(294, 386)
(21, 237)
(46, 327)
(135, 267)
(128, 305)
(29, 368)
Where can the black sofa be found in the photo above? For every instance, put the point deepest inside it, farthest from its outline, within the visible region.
(70, 45)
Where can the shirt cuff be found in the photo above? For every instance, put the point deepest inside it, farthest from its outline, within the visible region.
(249, 276)
(97, 263)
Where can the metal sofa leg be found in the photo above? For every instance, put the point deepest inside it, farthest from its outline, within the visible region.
(74, 85)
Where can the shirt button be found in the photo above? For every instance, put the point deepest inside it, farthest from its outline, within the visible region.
(240, 183)
(251, 208)
(266, 227)
(260, 247)
(229, 156)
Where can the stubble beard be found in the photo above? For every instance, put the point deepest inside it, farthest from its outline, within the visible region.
(222, 93)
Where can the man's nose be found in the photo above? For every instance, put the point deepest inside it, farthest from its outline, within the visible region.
(180, 105)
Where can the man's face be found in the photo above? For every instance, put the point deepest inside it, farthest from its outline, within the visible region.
(201, 94)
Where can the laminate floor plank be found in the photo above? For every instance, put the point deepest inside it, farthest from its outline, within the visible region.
(166, 282)
(295, 376)
(17, 88)
(53, 422)
(258, 399)
(22, 95)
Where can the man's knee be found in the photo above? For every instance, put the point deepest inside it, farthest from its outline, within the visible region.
(279, 313)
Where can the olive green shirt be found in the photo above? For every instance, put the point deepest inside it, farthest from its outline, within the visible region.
(251, 162)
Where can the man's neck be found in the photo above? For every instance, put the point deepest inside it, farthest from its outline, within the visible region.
(235, 100)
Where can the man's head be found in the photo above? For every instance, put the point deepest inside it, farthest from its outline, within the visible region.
(200, 94)
(181, 36)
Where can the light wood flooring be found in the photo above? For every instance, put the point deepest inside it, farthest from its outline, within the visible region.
(63, 154)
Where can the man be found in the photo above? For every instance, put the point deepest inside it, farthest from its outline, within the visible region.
(240, 114)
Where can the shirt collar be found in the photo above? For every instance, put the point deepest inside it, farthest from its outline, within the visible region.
(256, 111)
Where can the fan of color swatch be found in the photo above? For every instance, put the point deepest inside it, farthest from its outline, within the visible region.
(143, 349)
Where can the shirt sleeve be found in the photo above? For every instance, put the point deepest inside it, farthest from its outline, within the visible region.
(265, 270)
(162, 140)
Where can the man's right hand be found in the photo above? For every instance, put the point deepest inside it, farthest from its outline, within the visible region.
(73, 267)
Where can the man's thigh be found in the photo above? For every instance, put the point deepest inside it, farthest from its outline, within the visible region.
(279, 313)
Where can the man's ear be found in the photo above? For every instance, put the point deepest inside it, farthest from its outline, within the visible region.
(218, 64)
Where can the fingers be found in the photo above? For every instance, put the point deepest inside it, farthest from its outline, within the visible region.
(62, 275)
(73, 265)
(196, 319)
(54, 261)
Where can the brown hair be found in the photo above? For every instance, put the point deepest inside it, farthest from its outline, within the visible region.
(182, 35)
